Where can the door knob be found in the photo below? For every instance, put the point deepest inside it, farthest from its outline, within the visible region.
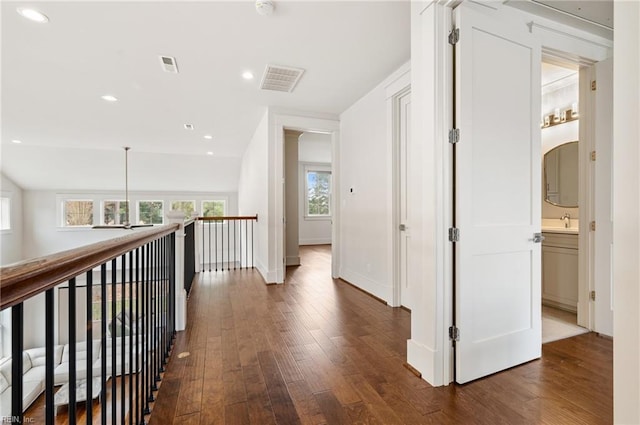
(538, 238)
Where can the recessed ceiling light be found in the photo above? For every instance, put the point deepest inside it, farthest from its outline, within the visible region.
(209, 153)
(33, 15)
(109, 98)
(208, 136)
(188, 126)
(247, 75)
(17, 142)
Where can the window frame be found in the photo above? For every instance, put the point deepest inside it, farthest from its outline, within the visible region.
(224, 208)
(316, 168)
(192, 202)
(63, 211)
(8, 221)
(161, 201)
(102, 212)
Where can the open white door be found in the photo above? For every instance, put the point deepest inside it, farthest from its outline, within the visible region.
(603, 238)
(497, 194)
(406, 209)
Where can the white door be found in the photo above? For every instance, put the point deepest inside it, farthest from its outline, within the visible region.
(603, 237)
(497, 194)
(405, 208)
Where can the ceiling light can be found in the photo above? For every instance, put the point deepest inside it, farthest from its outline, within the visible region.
(33, 15)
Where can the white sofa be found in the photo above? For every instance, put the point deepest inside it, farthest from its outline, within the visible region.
(34, 364)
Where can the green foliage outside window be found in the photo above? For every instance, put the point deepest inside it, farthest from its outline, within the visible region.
(115, 212)
(213, 208)
(150, 212)
(185, 206)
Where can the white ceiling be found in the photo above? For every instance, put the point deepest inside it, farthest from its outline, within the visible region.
(54, 74)
(552, 73)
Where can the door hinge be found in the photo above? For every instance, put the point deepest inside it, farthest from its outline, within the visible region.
(592, 295)
(454, 36)
(454, 135)
(592, 226)
(593, 155)
(454, 333)
(454, 234)
(593, 85)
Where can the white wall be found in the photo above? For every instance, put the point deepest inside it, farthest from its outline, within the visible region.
(365, 190)
(314, 149)
(626, 213)
(253, 193)
(11, 240)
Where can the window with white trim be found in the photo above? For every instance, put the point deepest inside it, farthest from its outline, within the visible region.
(187, 207)
(77, 212)
(114, 212)
(214, 208)
(5, 213)
(150, 212)
(317, 181)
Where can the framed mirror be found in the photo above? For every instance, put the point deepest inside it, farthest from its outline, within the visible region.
(561, 175)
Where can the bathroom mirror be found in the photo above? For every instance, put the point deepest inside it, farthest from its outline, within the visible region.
(561, 175)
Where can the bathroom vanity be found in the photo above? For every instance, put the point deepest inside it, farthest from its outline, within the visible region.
(560, 265)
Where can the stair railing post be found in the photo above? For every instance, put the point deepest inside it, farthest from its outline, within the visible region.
(181, 294)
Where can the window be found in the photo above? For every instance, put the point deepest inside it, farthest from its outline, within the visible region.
(5, 213)
(114, 212)
(150, 212)
(187, 207)
(318, 193)
(77, 213)
(214, 208)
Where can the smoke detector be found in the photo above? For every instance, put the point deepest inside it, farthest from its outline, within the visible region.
(264, 7)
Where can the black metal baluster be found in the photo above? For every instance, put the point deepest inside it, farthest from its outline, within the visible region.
(172, 285)
(72, 351)
(209, 225)
(145, 307)
(49, 361)
(112, 329)
(17, 346)
(89, 341)
(131, 330)
(103, 343)
(137, 327)
(163, 317)
(202, 257)
(158, 344)
(246, 244)
(228, 246)
(252, 255)
(123, 282)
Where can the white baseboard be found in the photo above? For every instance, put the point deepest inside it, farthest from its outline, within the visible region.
(315, 241)
(293, 261)
(423, 359)
(377, 289)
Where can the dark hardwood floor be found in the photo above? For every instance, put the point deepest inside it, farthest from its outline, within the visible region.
(319, 351)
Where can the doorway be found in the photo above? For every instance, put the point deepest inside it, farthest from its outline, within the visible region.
(307, 192)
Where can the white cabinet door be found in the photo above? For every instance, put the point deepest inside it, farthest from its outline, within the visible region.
(497, 194)
(603, 238)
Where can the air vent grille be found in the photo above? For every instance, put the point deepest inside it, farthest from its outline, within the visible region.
(280, 78)
(169, 64)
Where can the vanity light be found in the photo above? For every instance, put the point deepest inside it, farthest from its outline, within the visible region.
(33, 15)
(556, 115)
(574, 109)
(109, 98)
(17, 142)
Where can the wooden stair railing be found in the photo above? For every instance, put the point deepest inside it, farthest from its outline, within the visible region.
(146, 262)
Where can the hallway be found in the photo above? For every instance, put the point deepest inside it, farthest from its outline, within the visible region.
(318, 351)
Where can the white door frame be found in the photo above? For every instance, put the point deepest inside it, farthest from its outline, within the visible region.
(394, 92)
(304, 122)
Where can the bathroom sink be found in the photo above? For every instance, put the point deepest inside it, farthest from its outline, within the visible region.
(555, 225)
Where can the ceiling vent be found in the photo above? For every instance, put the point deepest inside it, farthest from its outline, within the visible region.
(169, 64)
(280, 78)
